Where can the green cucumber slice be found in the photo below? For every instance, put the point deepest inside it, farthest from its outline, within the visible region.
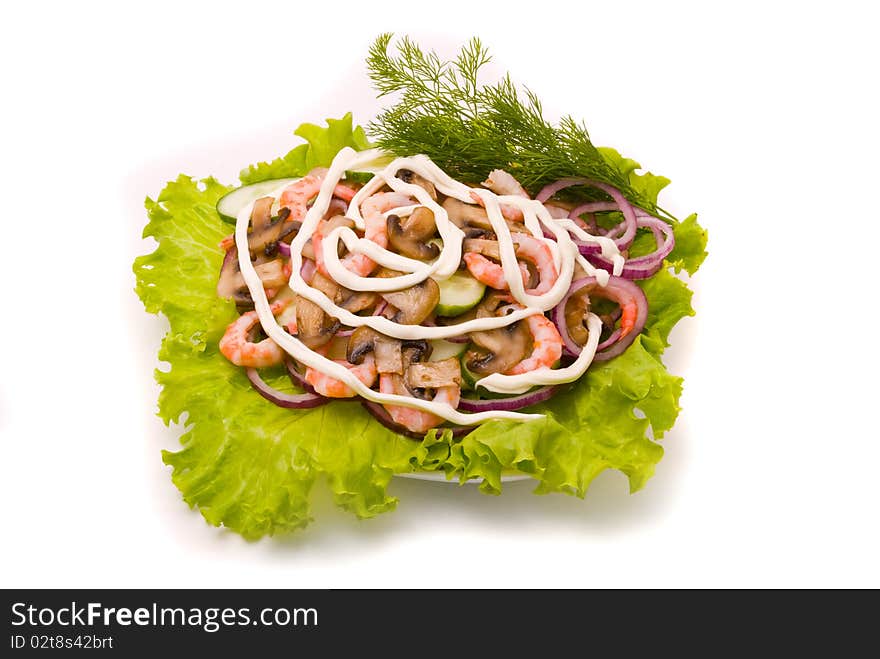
(458, 294)
(230, 204)
(442, 349)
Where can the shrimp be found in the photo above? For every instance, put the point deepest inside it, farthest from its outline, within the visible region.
(296, 196)
(528, 248)
(502, 183)
(236, 347)
(331, 387)
(376, 228)
(490, 273)
(546, 346)
(410, 417)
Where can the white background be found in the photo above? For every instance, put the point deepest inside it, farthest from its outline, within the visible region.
(765, 117)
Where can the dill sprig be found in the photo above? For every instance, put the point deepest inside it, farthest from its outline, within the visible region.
(469, 129)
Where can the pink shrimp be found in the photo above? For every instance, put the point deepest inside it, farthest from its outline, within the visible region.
(297, 195)
(502, 183)
(236, 347)
(375, 228)
(530, 249)
(410, 417)
(546, 346)
(490, 273)
(331, 387)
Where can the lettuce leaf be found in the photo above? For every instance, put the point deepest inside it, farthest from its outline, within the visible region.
(250, 466)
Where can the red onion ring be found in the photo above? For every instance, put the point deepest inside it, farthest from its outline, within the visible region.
(307, 271)
(296, 377)
(510, 404)
(382, 416)
(617, 289)
(622, 203)
(641, 267)
(291, 401)
(284, 249)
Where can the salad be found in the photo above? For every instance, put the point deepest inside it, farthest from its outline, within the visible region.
(494, 291)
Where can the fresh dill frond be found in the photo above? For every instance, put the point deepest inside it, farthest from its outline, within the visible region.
(469, 129)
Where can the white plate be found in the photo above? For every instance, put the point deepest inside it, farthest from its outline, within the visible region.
(440, 477)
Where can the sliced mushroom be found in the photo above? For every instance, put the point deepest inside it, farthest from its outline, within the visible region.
(271, 273)
(431, 375)
(387, 350)
(349, 300)
(308, 250)
(358, 301)
(264, 229)
(576, 310)
(389, 357)
(415, 303)
(328, 287)
(261, 214)
(416, 351)
(409, 244)
(420, 224)
(360, 343)
(409, 176)
(487, 248)
(462, 214)
(477, 232)
(313, 327)
(500, 349)
(230, 281)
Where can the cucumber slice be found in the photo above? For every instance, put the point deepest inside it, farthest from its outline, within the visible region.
(458, 294)
(231, 203)
(441, 349)
(468, 379)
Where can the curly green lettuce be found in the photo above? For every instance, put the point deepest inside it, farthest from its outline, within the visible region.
(250, 466)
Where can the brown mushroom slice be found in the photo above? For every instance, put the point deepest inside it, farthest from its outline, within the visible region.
(477, 232)
(420, 224)
(408, 244)
(415, 303)
(487, 248)
(261, 215)
(358, 301)
(230, 280)
(462, 214)
(387, 350)
(349, 300)
(498, 350)
(389, 357)
(271, 273)
(313, 327)
(409, 176)
(432, 375)
(308, 250)
(328, 287)
(263, 230)
(416, 350)
(576, 310)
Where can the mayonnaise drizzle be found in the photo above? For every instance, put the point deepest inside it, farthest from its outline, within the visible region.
(563, 250)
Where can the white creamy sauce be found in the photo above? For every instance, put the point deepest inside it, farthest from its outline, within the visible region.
(535, 217)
